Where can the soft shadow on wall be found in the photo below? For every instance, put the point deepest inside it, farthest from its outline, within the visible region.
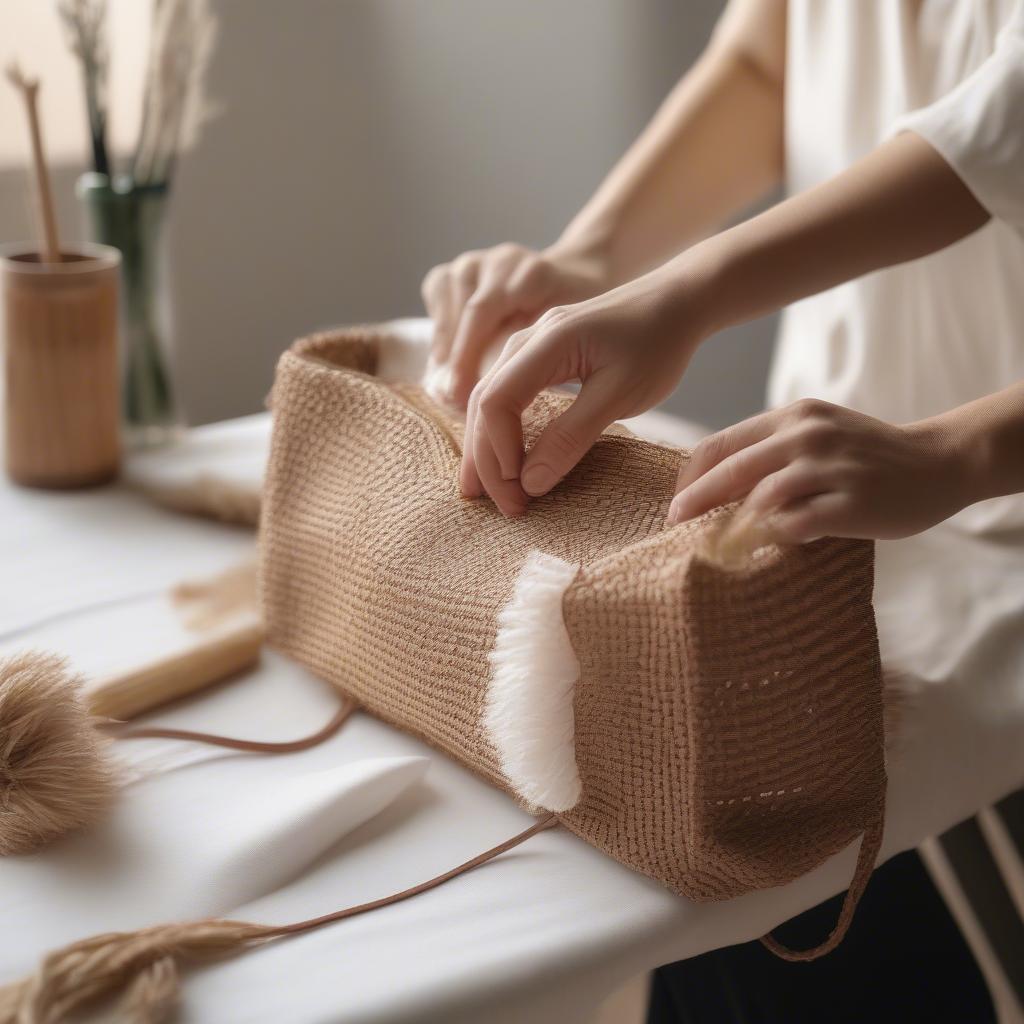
(359, 143)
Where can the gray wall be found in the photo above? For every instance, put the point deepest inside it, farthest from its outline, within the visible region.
(358, 143)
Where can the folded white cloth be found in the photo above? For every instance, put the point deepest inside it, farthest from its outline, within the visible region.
(193, 847)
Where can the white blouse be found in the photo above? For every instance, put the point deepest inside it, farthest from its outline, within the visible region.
(918, 339)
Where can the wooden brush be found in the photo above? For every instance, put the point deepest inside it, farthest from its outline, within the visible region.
(223, 615)
(56, 775)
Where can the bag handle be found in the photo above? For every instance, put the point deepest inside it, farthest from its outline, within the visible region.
(870, 844)
(344, 712)
(145, 964)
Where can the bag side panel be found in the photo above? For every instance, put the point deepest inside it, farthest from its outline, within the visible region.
(785, 697)
(728, 723)
(625, 618)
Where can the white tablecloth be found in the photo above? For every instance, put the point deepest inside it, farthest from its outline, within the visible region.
(542, 933)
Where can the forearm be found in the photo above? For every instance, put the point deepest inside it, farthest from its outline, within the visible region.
(713, 148)
(901, 202)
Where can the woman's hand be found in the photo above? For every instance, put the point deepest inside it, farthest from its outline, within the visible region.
(628, 348)
(483, 296)
(814, 469)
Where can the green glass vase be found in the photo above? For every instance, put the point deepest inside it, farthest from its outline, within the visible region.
(130, 218)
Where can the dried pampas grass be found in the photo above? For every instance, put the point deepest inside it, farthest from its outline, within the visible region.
(54, 774)
(208, 603)
(180, 46)
(211, 498)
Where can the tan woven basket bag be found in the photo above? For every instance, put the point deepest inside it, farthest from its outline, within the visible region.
(717, 729)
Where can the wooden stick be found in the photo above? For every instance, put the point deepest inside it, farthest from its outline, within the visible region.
(29, 89)
(228, 652)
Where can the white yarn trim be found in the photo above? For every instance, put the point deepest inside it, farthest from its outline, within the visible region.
(404, 348)
(529, 714)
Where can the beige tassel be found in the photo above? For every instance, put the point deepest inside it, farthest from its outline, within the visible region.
(154, 993)
(54, 775)
(143, 964)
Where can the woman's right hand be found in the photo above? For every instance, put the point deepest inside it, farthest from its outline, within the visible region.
(627, 347)
(481, 297)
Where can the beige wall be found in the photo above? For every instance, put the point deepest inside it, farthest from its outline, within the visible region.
(360, 141)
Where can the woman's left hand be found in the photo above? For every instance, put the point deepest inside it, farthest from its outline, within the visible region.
(813, 469)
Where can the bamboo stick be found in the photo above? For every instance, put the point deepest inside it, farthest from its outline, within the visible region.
(29, 89)
(230, 651)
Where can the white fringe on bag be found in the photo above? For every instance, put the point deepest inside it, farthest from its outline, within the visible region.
(529, 716)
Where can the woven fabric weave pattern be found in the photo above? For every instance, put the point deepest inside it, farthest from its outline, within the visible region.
(728, 722)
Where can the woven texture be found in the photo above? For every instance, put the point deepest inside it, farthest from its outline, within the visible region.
(728, 724)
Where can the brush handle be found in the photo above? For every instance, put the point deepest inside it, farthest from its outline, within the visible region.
(231, 651)
(44, 193)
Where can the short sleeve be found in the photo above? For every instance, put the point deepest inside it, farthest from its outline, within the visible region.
(978, 127)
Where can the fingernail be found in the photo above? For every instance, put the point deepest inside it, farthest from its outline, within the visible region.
(673, 516)
(538, 480)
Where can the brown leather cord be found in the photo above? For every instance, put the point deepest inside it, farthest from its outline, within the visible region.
(251, 746)
(145, 964)
(287, 747)
(549, 821)
(870, 844)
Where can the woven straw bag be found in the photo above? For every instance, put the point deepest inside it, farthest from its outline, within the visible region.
(718, 729)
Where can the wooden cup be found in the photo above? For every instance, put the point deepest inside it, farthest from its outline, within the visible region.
(62, 390)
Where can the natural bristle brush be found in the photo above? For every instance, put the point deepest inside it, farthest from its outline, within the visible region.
(56, 771)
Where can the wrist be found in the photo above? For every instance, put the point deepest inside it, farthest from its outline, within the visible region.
(960, 453)
(592, 252)
(695, 293)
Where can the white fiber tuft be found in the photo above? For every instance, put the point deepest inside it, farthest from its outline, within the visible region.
(529, 714)
(437, 381)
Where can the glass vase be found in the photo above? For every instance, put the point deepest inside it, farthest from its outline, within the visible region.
(130, 218)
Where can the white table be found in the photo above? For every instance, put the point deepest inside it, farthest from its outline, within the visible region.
(542, 933)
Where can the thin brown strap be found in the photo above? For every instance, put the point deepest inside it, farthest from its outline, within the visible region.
(550, 821)
(253, 746)
(870, 844)
(144, 964)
